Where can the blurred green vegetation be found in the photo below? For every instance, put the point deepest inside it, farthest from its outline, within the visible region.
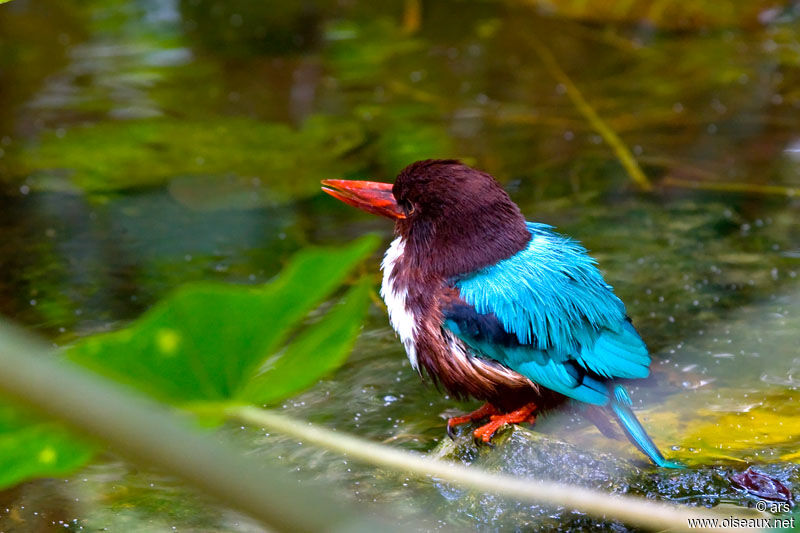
(206, 343)
(107, 157)
(209, 344)
(31, 448)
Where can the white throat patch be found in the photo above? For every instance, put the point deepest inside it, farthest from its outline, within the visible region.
(401, 318)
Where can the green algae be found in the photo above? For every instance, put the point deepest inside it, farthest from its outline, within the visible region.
(110, 156)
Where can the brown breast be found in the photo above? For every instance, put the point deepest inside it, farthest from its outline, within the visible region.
(453, 364)
(415, 297)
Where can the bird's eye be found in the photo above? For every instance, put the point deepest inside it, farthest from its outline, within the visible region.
(408, 207)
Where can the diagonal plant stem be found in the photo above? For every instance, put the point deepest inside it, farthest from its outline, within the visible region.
(609, 135)
(630, 510)
(147, 433)
(412, 16)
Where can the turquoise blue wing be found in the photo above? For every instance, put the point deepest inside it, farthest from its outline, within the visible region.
(548, 314)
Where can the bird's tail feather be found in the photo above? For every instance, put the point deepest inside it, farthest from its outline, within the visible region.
(621, 407)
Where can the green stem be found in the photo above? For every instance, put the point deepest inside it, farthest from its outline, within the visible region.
(631, 510)
(620, 150)
(148, 434)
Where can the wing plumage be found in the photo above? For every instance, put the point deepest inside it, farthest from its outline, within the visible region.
(548, 314)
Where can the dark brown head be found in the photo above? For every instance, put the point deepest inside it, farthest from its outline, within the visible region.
(454, 219)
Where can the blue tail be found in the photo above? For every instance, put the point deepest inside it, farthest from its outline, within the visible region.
(621, 407)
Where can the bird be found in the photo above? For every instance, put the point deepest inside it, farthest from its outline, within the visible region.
(499, 309)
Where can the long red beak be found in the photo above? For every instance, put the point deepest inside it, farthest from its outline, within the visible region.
(371, 196)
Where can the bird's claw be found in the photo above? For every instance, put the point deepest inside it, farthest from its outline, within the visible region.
(481, 441)
(451, 432)
(484, 411)
(485, 433)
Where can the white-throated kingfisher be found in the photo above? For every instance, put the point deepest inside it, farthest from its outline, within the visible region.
(497, 308)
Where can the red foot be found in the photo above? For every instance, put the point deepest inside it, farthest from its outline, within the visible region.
(523, 414)
(485, 410)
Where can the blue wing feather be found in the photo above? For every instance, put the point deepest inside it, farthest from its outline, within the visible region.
(571, 330)
(547, 313)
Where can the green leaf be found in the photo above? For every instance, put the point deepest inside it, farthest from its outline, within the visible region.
(206, 341)
(316, 352)
(205, 344)
(31, 448)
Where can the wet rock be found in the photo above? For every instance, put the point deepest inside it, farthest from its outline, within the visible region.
(524, 453)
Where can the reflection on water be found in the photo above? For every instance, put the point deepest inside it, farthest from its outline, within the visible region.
(145, 144)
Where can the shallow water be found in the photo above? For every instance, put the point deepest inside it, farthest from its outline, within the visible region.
(146, 144)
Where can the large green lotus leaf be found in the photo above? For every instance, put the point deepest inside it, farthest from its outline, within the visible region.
(315, 352)
(32, 448)
(112, 156)
(203, 343)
